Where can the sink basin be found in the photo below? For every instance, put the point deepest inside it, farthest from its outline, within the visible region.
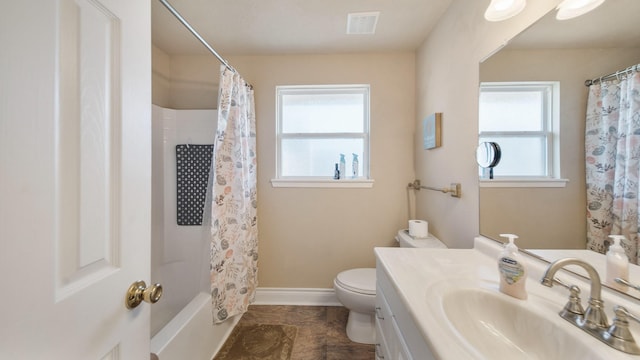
(449, 307)
(496, 326)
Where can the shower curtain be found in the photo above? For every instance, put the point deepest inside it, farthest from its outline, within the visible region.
(231, 208)
(612, 146)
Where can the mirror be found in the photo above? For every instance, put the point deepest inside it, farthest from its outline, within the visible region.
(488, 156)
(552, 215)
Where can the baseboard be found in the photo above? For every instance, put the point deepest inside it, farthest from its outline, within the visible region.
(296, 296)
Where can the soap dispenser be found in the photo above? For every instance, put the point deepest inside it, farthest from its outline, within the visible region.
(617, 264)
(513, 273)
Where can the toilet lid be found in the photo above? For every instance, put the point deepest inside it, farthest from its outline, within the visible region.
(362, 281)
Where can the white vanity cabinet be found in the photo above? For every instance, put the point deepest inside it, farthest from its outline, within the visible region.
(389, 341)
(397, 337)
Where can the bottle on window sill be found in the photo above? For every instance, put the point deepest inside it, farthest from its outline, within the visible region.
(355, 165)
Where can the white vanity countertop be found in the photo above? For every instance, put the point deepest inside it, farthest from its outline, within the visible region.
(416, 272)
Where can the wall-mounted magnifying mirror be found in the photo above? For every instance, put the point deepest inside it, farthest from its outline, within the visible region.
(488, 156)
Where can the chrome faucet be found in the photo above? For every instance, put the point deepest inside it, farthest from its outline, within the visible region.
(594, 320)
(594, 317)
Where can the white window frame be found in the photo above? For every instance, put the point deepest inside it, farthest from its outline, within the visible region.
(313, 181)
(550, 132)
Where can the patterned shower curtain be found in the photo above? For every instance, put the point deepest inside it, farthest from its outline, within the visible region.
(231, 208)
(612, 146)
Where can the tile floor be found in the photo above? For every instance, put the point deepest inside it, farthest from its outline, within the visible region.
(321, 331)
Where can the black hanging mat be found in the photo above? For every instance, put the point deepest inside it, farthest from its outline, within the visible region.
(193, 163)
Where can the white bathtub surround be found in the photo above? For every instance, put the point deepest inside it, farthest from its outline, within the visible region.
(179, 256)
(432, 286)
(181, 325)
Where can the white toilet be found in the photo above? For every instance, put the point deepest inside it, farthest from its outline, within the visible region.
(356, 290)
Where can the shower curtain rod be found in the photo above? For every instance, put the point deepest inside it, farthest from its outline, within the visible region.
(195, 33)
(612, 75)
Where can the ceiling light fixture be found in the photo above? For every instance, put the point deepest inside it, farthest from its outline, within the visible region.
(568, 9)
(500, 10)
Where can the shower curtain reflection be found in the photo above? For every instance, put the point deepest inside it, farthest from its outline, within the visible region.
(612, 151)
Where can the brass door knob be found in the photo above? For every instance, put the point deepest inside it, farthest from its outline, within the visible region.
(139, 292)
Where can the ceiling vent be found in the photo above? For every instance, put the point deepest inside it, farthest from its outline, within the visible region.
(362, 23)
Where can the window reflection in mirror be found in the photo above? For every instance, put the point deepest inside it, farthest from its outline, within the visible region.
(522, 118)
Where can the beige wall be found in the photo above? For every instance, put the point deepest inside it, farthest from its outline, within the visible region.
(160, 78)
(550, 217)
(184, 82)
(447, 82)
(307, 236)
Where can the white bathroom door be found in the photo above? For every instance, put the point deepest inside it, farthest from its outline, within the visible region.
(75, 155)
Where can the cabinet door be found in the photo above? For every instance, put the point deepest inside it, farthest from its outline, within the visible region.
(403, 339)
(384, 328)
(401, 348)
(382, 351)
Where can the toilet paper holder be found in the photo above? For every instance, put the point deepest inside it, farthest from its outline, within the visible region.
(454, 189)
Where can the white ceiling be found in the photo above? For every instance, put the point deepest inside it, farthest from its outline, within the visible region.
(614, 24)
(258, 27)
(243, 27)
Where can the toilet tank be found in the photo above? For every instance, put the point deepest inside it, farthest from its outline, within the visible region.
(407, 241)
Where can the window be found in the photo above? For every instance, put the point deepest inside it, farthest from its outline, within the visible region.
(315, 124)
(522, 118)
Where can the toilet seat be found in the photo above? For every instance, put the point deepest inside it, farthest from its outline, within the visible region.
(361, 281)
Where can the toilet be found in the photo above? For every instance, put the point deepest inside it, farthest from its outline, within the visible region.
(356, 290)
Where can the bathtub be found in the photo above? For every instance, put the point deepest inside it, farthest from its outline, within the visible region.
(191, 333)
(181, 322)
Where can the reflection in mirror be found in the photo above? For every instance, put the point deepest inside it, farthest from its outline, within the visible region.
(521, 117)
(568, 52)
(488, 156)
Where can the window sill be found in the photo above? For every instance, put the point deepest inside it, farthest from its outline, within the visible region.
(321, 183)
(524, 183)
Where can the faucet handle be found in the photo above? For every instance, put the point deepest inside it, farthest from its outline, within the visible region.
(573, 309)
(620, 327)
(574, 306)
(627, 283)
(618, 334)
